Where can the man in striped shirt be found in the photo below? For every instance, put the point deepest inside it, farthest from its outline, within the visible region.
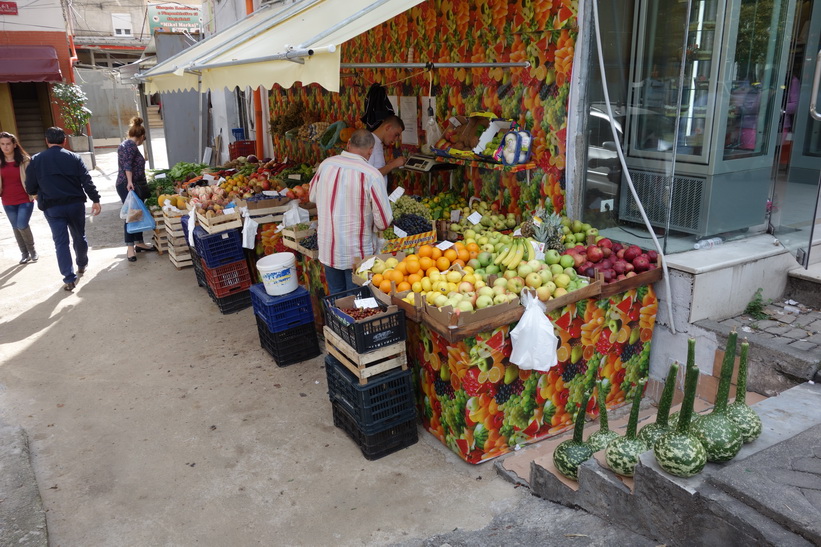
(352, 203)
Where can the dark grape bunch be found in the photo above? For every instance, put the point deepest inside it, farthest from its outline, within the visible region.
(570, 370)
(413, 224)
(309, 243)
(358, 313)
(443, 388)
(504, 391)
(629, 350)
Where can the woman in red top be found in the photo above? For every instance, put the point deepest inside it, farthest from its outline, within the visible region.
(16, 202)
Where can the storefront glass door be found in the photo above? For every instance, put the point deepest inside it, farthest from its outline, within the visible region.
(795, 202)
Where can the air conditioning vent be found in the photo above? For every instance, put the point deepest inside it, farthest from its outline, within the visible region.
(651, 187)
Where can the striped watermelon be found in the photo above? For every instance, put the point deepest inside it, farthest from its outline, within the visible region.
(739, 413)
(652, 432)
(570, 454)
(622, 454)
(720, 437)
(601, 438)
(678, 452)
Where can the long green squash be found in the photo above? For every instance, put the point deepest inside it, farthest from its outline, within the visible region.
(570, 454)
(720, 436)
(652, 432)
(739, 412)
(678, 452)
(601, 438)
(622, 454)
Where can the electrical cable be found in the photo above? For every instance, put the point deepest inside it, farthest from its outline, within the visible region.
(623, 162)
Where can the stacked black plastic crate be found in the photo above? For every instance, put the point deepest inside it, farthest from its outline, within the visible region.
(286, 325)
(226, 273)
(369, 384)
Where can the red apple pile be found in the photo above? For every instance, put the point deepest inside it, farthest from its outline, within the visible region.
(614, 260)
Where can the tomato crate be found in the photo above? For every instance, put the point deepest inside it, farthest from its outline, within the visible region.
(228, 279)
(385, 401)
(232, 303)
(377, 445)
(282, 312)
(367, 334)
(220, 248)
(199, 271)
(290, 346)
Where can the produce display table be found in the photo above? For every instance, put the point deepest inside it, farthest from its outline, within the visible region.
(472, 399)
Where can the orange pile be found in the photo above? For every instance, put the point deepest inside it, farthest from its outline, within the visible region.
(428, 258)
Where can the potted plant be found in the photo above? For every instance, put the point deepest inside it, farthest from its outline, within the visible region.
(71, 99)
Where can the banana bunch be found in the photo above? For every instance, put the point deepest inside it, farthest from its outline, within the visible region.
(520, 250)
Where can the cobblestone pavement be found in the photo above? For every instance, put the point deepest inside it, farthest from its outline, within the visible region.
(789, 326)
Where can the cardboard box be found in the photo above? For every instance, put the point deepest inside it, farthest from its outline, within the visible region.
(496, 126)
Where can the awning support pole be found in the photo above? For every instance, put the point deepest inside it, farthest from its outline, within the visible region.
(431, 66)
(200, 98)
(327, 32)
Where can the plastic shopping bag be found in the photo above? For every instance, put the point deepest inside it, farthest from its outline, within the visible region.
(249, 233)
(295, 215)
(137, 216)
(534, 343)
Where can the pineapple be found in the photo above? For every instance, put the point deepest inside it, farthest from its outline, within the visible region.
(550, 233)
(529, 227)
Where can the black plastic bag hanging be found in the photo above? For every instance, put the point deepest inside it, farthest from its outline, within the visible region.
(377, 107)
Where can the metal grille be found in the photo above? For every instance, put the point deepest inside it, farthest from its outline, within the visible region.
(687, 201)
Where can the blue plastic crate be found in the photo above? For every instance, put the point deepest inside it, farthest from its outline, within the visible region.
(282, 312)
(385, 401)
(220, 248)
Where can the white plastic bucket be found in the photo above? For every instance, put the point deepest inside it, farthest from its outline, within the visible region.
(278, 273)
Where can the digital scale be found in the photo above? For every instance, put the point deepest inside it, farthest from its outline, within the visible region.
(427, 164)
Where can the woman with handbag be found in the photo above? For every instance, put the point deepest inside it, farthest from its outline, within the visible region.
(131, 176)
(17, 204)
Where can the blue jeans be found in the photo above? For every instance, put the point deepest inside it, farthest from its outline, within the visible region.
(19, 215)
(339, 280)
(65, 220)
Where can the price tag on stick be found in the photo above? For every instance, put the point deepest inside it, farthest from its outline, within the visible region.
(396, 194)
(475, 217)
(399, 232)
(444, 245)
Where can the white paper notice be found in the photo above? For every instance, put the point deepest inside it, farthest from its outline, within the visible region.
(518, 232)
(410, 115)
(444, 245)
(159, 176)
(396, 194)
(539, 248)
(399, 232)
(362, 303)
(455, 215)
(475, 217)
(366, 265)
(394, 100)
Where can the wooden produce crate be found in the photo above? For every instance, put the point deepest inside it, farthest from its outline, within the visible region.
(219, 223)
(366, 365)
(410, 242)
(644, 278)
(291, 239)
(180, 257)
(173, 223)
(160, 241)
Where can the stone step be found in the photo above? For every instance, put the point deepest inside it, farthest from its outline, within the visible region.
(710, 508)
(804, 286)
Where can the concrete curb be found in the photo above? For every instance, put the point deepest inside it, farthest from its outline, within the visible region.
(22, 517)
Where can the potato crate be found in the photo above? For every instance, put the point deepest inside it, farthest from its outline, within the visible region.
(385, 401)
(289, 346)
(228, 279)
(282, 312)
(380, 444)
(366, 365)
(220, 248)
(368, 334)
(232, 303)
(219, 223)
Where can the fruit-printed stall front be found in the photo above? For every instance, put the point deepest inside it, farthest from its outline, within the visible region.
(478, 403)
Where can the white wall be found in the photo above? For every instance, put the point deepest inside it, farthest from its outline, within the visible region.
(40, 16)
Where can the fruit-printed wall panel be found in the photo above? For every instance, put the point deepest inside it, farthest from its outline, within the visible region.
(538, 31)
(481, 406)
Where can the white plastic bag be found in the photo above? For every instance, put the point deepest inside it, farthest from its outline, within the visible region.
(192, 222)
(249, 233)
(295, 215)
(534, 343)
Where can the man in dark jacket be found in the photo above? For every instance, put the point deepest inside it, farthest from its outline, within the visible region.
(61, 182)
